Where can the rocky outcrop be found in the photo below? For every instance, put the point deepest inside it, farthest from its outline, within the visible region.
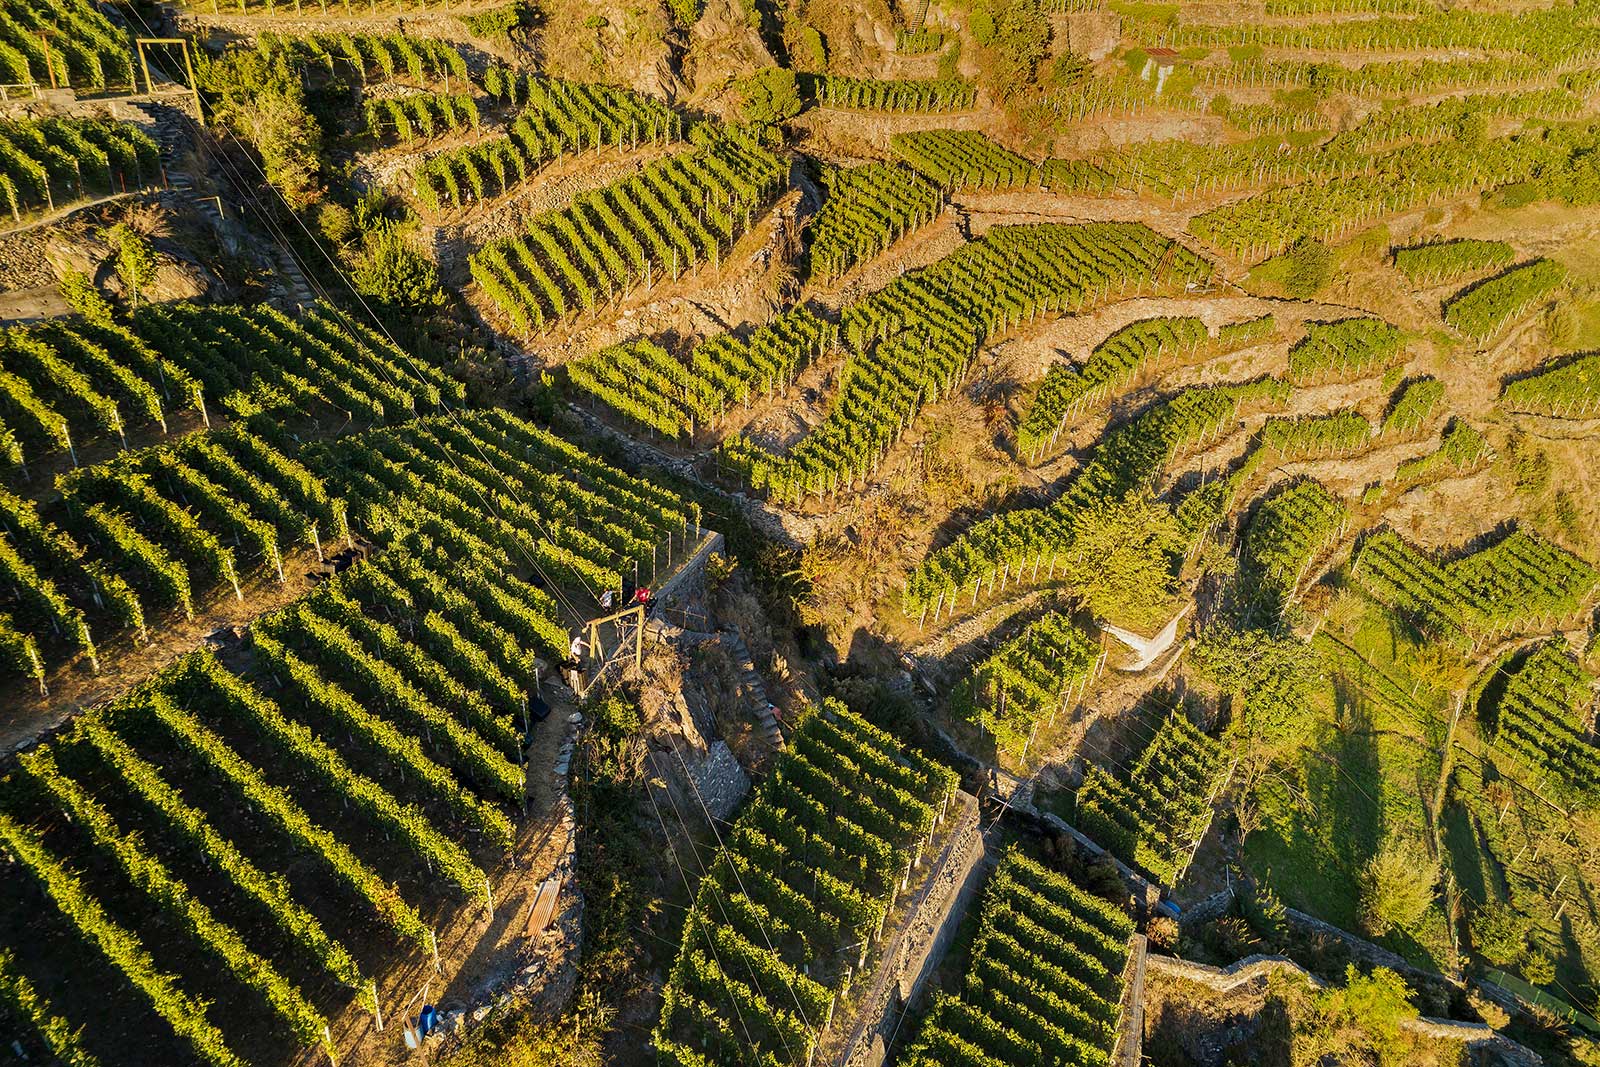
(86, 252)
(175, 279)
(723, 48)
(82, 253)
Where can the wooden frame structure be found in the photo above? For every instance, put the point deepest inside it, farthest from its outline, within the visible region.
(188, 66)
(597, 648)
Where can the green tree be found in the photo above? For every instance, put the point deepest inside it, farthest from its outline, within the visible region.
(1560, 324)
(1539, 968)
(134, 256)
(1397, 886)
(1359, 1023)
(769, 96)
(1499, 933)
(1122, 556)
(260, 97)
(813, 49)
(393, 272)
(1014, 48)
(1372, 1006)
(1267, 674)
(497, 23)
(1307, 267)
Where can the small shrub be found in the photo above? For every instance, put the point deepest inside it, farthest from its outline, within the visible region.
(1308, 266)
(1488, 1010)
(769, 96)
(1162, 932)
(82, 296)
(1539, 969)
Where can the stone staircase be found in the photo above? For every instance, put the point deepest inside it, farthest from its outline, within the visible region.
(754, 689)
(176, 135)
(293, 278)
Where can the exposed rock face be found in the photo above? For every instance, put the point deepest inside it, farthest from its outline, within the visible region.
(1091, 34)
(80, 252)
(175, 279)
(668, 721)
(85, 252)
(724, 47)
(620, 44)
(720, 781)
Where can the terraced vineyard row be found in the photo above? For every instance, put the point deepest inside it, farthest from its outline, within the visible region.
(946, 94)
(41, 158)
(1403, 179)
(523, 495)
(914, 340)
(331, 749)
(1521, 580)
(1153, 813)
(868, 208)
(1280, 440)
(1315, 436)
(1181, 170)
(71, 381)
(1022, 544)
(1546, 34)
(1116, 363)
(1462, 450)
(1028, 681)
(1483, 310)
(1289, 531)
(1345, 349)
(1535, 716)
(151, 534)
(793, 904)
(955, 159)
(1442, 261)
(558, 117)
(378, 764)
(420, 115)
(368, 55)
(1566, 388)
(1413, 406)
(662, 221)
(1045, 981)
(86, 50)
(646, 383)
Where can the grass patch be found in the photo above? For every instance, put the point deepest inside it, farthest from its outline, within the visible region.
(1367, 778)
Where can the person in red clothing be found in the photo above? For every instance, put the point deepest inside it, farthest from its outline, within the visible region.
(641, 596)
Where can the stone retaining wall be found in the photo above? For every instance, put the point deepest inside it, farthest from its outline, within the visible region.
(691, 574)
(1129, 1049)
(921, 941)
(1254, 972)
